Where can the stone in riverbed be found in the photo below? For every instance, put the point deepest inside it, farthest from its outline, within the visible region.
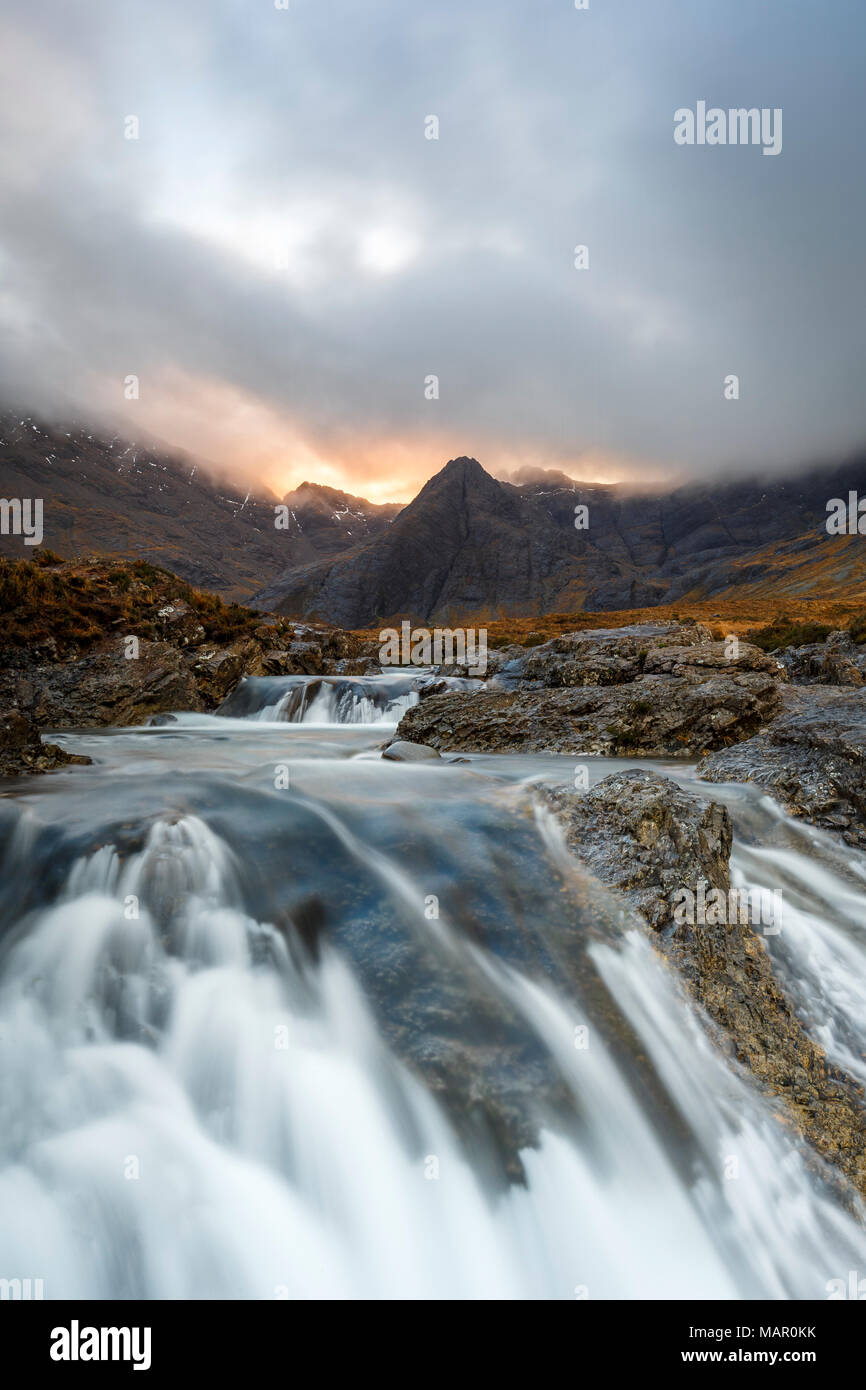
(402, 752)
(639, 833)
(22, 751)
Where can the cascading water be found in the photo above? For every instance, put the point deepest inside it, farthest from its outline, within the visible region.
(315, 1035)
(332, 699)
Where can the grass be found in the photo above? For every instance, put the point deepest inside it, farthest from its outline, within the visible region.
(79, 603)
(783, 632)
(741, 617)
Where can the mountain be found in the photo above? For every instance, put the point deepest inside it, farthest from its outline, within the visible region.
(103, 494)
(471, 546)
(464, 539)
(468, 546)
(323, 520)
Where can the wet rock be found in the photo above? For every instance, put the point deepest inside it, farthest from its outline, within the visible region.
(640, 834)
(672, 716)
(104, 687)
(653, 689)
(811, 759)
(22, 750)
(402, 752)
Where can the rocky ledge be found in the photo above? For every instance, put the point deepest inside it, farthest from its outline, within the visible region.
(92, 643)
(812, 759)
(640, 834)
(657, 690)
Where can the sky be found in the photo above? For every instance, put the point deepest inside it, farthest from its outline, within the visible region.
(282, 258)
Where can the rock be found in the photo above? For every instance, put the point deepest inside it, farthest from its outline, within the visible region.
(696, 659)
(652, 689)
(606, 656)
(671, 716)
(402, 752)
(837, 661)
(179, 624)
(640, 834)
(104, 687)
(216, 672)
(22, 750)
(811, 759)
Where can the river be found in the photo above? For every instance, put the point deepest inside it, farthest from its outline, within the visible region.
(280, 1019)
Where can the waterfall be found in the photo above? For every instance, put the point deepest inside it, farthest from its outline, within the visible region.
(244, 1058)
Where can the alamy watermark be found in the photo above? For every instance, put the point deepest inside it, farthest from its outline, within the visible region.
(712, 907)
(441, 646)
(714, 125)
(21, 1290)
(846, 518)
(22, 516)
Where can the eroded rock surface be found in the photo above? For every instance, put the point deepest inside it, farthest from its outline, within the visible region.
(654, 690)
(812, 759)
(642, 835)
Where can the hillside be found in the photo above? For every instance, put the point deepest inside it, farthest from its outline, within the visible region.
(105, 494)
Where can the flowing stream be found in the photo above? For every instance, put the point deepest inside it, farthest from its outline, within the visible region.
(281, 1019)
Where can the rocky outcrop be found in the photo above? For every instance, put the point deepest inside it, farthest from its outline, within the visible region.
(669, 691)
(836, 661)
(640, 834)
(616, 656)
(105, 687)
(22, 750)
(101, 643)
(650, 717)
(812, 759)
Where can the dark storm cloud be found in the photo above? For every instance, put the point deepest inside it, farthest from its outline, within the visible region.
(283, 231)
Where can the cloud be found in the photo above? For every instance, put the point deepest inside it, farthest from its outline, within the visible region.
(283, 258)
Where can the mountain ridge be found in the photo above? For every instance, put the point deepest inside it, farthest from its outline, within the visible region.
(472, 546)
(468, 546)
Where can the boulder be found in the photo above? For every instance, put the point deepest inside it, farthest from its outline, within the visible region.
(403, 752)
(22, 750)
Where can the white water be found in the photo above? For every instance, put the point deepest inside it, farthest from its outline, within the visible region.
(188, 1109)
(329, 700)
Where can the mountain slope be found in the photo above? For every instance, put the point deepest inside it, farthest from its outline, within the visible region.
(103, 494)
(323, 520)
(471, 547)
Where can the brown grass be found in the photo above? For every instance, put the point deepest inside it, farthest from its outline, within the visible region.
(740, 616)
(78, 603)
